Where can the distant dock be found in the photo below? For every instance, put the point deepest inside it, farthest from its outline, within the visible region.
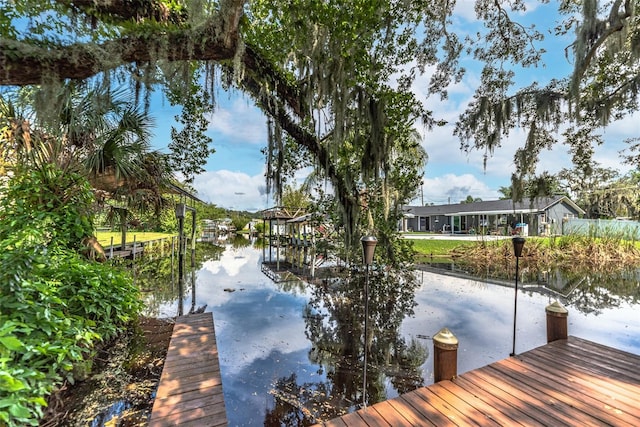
(135, 249)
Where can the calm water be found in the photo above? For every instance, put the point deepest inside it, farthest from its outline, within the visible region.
(291, 353)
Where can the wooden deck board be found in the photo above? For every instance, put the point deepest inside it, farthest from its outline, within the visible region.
(515, 399)
(497, 408)
(610, 394)
(576, 395)
(457, 399)
(567, 382)
(190, 389)
(427, 412)
(490, 413)
(622, 388)
(409, 412)
(391, 416)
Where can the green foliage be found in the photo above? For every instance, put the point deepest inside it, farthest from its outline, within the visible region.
(295, 197)
(55, 304)
(600, 191)
(239, 220)
(260, 227)
(57, 203)
(210, 211)
(602, 88)
(190, 146)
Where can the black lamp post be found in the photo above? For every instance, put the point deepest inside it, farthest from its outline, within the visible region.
(368, 248)
(518, 244)
(181, 210)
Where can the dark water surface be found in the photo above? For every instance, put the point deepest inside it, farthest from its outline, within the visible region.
(292, 353)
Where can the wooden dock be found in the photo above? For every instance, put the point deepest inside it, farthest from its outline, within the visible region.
(572, 382)
(127, 253)
(190, 389)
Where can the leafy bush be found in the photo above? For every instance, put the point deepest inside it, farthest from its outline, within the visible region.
(55, 304)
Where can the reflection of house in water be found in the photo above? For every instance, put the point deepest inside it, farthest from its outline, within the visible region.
(292, 248)
(251, 227)
(214, 229)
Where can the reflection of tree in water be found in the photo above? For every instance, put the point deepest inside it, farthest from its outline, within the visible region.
(293, 400)
(159, 277)
(293, 286)
(589, 291)
(335, 326)
(240, 241)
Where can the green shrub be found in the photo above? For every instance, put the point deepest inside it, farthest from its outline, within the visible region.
(54, 304)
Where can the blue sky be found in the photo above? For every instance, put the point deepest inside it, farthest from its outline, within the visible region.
(235, 172)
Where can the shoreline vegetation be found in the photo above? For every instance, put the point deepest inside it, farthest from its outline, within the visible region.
(577, 252)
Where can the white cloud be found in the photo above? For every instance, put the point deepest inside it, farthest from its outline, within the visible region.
(232, 190)
(627, 127)
(228, 262)
(241, 121)
(465, 9)
(451, 188)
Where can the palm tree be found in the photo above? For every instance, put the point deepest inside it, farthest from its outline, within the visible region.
(95, 131)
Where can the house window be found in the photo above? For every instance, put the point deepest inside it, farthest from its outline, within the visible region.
(543, 218)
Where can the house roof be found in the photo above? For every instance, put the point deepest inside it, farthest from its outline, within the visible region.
(282, 213)
(300, 219)
(174, 189)
(492, 207)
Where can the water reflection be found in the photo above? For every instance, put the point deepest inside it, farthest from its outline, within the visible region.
(334, 320)
(161, 287)
(291, 353)
(587, 291)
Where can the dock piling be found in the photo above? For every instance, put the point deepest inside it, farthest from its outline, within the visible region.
(556, 322)
(445, 355)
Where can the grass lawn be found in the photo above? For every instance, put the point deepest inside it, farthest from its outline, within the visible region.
(104, 237)
(426, 249)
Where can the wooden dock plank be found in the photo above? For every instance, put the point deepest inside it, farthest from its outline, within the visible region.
(607, 391)
(622, 388)
(499, 409)
(516, 400)
(389, 413)
(190, 389)
(599, 367)
(372, 418)
(598, 405)
(556, 412)
(457, 399)
(490, 413)
(353, 420)
(445, 407)
(336, 422)
(428, 412)
(409, 412)
(567, 382)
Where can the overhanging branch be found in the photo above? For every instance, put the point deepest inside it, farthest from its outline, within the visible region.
(347, 198)
(25, 64)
